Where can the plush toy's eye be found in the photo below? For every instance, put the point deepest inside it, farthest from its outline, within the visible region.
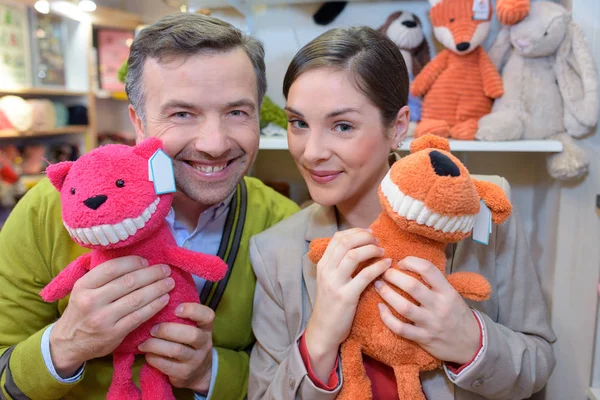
(120, 183)
(451, 19)
(545, 33)
(72, 190)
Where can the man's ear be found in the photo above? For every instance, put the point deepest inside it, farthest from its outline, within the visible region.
(138, 124)
(494, 197)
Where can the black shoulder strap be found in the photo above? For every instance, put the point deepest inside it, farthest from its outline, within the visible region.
(228, 248)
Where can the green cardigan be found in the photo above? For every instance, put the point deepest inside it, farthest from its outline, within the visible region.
(35, 247)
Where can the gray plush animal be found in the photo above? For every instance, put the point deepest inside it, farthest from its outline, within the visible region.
(550, 86)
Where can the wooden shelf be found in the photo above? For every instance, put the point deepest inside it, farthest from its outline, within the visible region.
(516, 146)
(105, 94)
(42, 92)
(65, 130)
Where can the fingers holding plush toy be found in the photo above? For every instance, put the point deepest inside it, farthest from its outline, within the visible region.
(443, 324)
(184, 352)
(339, 286)
(105, 305)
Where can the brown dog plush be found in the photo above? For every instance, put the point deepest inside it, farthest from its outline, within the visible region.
(428, 200)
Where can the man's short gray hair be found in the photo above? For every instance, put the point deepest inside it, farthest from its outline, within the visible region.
(184, 35)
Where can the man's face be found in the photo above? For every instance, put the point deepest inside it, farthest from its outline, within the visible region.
(205, 110)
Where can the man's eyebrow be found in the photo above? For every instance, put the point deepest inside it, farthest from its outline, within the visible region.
(242, 103)
(171, 104)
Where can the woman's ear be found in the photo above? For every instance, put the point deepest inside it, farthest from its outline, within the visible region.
(400, 127)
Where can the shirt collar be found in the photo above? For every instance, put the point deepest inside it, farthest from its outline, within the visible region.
(211, 213)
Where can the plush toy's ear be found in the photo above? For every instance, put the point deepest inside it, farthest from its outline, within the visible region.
(148, 147)
(494, 197)
(429, 141)
(58, 172)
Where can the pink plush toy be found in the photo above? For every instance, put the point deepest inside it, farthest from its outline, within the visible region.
(110, 205)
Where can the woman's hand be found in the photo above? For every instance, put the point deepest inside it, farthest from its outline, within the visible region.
(338, 293)
(444, 325)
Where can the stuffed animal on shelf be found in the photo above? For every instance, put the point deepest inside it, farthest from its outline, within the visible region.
(510, 12)
(428, 200)
(460, 83)
(110, 205)
(551, 86)
(406, 31)
(8, 182)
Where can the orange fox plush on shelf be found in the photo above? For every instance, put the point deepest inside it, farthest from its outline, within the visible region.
(460, 83)
(428, 200)
(510, 12)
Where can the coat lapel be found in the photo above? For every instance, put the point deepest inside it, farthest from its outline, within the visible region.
(321, 223)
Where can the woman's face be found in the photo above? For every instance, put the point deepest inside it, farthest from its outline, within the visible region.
(336, 136)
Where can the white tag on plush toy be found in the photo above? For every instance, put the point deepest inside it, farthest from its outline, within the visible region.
(481, 9)
(160, 169)
(483, 225)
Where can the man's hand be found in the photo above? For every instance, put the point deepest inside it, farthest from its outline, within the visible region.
(105, 305)
(184, 352)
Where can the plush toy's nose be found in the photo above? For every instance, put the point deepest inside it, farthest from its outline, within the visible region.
(409, 24)
(95, 202)
(463, 46)
(443, 165)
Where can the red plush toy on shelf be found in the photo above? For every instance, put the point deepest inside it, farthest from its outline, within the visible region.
(110, 204)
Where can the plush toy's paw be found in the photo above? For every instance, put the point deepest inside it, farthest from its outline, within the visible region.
(434, 127)
(510, 12)
(317, 249)
(53, 292)
(470, 285)
(495, 199)
(500, 125)
(571, 163)
(464, 130)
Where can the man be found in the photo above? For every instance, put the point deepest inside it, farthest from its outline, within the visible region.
(196, 83)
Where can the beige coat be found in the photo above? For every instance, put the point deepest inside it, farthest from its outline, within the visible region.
(517, 357)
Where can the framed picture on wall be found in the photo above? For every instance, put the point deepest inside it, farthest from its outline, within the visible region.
(113, 49)
(48, 37)
(14, 46)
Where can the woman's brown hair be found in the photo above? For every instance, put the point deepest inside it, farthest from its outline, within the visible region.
(373, 60)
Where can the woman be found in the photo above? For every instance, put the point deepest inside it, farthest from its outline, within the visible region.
(346, 97)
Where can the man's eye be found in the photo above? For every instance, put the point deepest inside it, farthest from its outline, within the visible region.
(182, 114)
(237, 113)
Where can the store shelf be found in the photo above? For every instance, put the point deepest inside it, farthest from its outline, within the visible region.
(593, 393)
(526, 146)
(105, 94)
(42, 92)
(65, 130)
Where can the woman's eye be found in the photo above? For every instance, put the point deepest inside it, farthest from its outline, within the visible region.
(343, 127)
(299, 124)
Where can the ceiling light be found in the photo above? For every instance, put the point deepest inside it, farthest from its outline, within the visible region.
(87, 5)
(42, 6)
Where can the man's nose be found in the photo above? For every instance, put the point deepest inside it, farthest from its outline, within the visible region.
(213, 140)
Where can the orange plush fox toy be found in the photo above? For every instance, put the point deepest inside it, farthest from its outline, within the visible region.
(510, 12)
(460, 83)
(428, 200)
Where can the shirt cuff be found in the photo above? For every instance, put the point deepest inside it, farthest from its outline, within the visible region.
(452, 369)
(334, 378)
(213, 377)
(45, 343)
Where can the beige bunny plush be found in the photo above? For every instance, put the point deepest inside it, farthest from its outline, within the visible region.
(550, 86)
